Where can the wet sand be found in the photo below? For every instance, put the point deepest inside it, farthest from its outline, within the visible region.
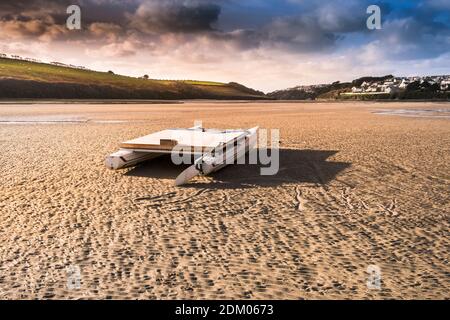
(355, 188)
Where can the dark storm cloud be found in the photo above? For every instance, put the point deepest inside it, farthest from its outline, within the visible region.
(415, 37)
(315, 27)
(134, 16)
(46, 19)
(30, 19)
(113, 11)
(300, 33)
(293, 25)
(165, 14)
(175, 16)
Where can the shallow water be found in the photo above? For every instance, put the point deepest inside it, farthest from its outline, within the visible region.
(54, 119)
(420, 113)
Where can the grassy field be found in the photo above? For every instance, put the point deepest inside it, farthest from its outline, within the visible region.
(31, 73)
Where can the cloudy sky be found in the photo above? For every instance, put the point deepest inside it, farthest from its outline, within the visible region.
(264, 44)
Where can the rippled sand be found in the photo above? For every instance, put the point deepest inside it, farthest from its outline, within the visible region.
(355, 189)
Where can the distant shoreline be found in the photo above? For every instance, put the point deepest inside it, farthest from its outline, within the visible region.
(22, 80)
(86, 101)
(182, 101)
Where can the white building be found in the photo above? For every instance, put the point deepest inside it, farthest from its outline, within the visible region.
(445, 85)
(404, 84)
(365, 84)
(357, 90)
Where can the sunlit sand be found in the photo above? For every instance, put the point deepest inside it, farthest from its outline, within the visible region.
(354, 189)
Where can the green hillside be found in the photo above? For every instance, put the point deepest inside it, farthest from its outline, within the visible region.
(23, 79)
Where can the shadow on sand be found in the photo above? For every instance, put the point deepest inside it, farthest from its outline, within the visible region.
(296, 166)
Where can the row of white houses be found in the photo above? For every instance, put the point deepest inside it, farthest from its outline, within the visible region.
(393, 85)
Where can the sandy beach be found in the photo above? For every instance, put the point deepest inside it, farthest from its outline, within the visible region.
(356, 187)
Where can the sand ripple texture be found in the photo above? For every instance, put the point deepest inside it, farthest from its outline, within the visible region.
(354, 189)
